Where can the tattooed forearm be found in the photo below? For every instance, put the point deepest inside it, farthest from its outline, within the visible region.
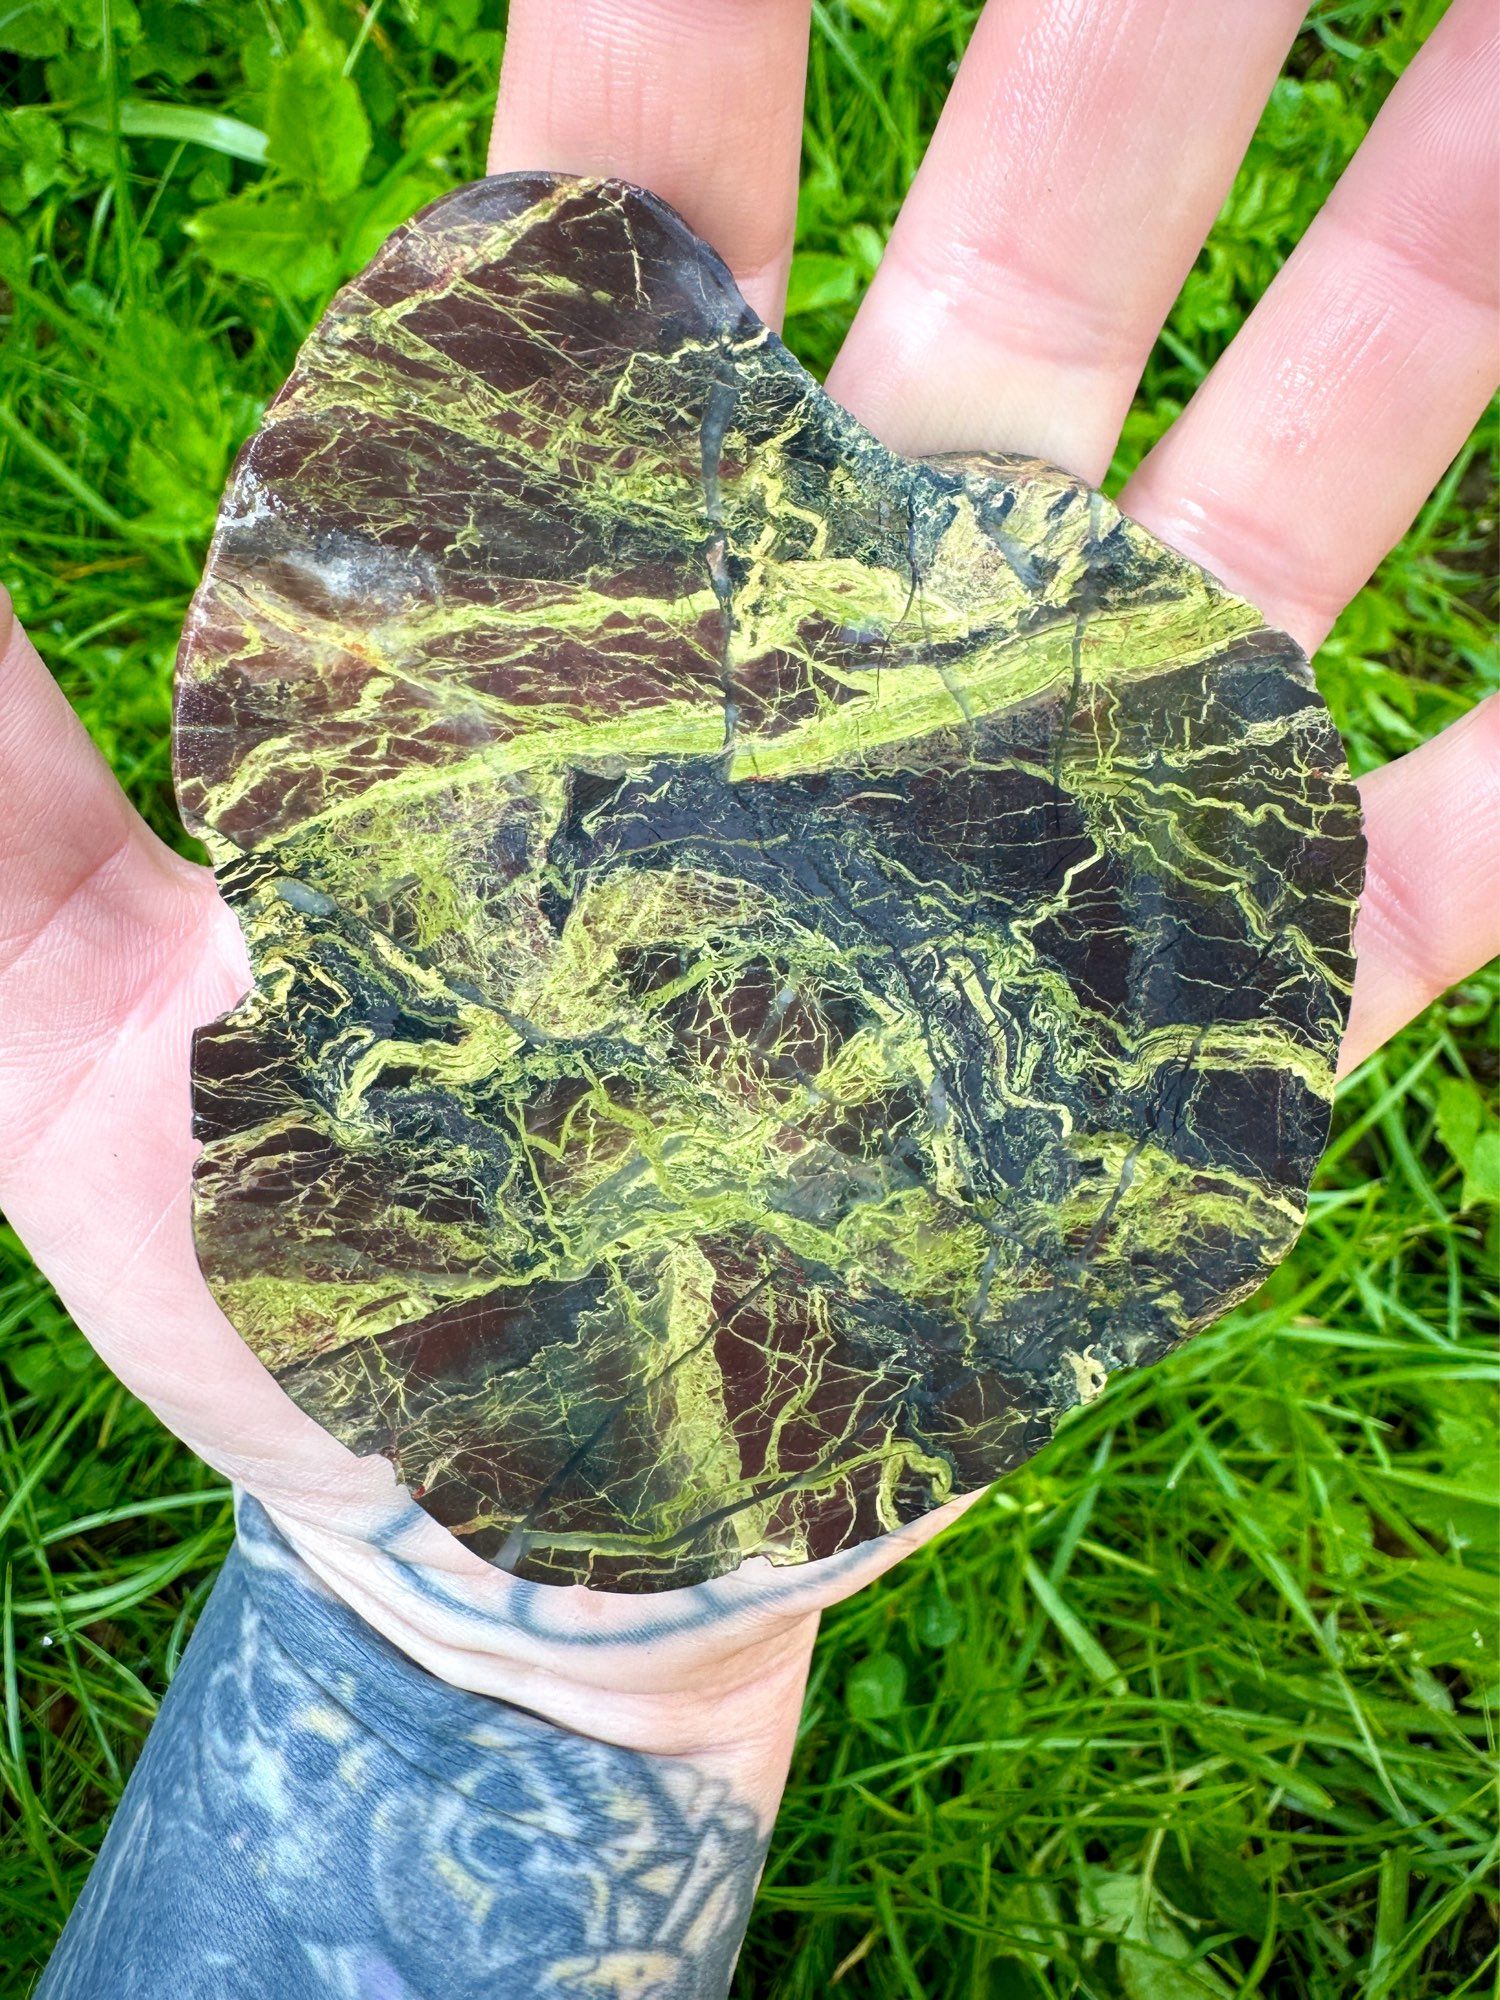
(313, 1815)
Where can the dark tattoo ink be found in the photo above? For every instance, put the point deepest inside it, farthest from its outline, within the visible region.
(314, 1815)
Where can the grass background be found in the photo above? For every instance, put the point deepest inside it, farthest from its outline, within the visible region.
(1201, 1703)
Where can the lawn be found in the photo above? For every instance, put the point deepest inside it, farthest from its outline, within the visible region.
(1201, 1703)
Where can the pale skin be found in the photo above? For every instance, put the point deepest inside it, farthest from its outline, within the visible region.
(1083, 153)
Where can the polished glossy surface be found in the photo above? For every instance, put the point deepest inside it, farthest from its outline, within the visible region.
(777, 967)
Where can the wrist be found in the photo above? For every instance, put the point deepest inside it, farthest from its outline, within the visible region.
(317, 1813)
(714, 1674)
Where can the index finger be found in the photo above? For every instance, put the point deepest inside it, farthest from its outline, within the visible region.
(698, 100)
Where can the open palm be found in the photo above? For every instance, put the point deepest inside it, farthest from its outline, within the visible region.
(1082, 155)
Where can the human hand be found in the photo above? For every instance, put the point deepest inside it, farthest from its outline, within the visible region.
(1013, 311)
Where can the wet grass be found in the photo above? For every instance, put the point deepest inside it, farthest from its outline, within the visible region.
(1200, 1704)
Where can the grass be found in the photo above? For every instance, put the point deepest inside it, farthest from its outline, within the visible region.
(1199, 1705)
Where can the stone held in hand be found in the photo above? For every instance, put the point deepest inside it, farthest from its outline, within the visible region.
(777, 967)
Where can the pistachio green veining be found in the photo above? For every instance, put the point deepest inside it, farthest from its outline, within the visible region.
(776, 967)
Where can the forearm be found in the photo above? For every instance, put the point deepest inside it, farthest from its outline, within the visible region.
(315, 1815)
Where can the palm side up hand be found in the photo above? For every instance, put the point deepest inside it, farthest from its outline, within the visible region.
(1077, 166)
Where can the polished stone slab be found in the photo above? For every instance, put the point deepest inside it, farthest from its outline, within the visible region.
(778, 967)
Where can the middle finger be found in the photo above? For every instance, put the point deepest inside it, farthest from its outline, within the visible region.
(1081, 157)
